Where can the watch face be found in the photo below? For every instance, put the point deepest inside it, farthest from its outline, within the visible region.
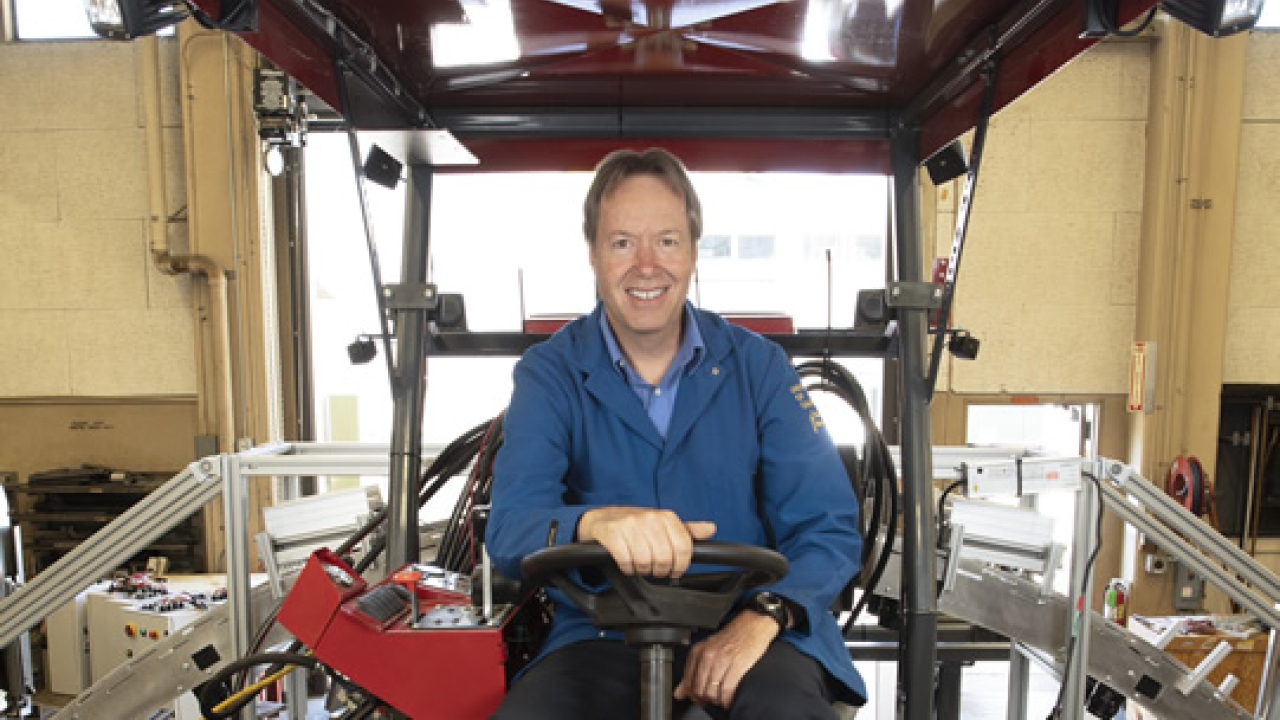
(768, 602)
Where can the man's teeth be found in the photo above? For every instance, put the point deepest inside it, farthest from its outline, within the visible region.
(645, 294)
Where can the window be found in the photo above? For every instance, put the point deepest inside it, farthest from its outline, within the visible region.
(755, 247)
(529, 259)
(1270, 19)
(51, 20)
(715, 246)
(56, 20)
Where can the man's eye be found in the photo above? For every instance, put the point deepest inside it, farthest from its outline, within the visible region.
(621, 243)
(670, 241)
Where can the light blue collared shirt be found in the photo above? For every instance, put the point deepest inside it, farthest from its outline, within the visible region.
(659, 400)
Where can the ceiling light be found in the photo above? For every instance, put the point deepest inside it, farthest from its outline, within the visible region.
(487, 36)
(128, 19)
(1216, 18)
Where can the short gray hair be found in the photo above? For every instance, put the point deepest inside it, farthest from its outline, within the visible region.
(620, 165)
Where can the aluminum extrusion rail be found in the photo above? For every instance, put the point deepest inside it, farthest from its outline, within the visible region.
(1019, 608)
(136, 528)
(183, 661)
(1201, 538)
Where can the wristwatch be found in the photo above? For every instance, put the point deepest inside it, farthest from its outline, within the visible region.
(770, 605)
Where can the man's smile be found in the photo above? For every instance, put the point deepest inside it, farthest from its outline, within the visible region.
(647, 294)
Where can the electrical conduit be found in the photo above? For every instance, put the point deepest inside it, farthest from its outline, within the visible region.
(170, 264)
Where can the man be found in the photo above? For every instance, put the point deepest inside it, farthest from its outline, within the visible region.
(648, 425)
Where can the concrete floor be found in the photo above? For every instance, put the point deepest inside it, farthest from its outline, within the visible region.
(984, 692)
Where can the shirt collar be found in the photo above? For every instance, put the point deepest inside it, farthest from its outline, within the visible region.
(688, 356)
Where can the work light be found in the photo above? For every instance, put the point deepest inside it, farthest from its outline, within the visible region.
(1217, 18)
(128, 19)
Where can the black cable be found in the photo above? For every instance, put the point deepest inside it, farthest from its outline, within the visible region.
(450, 462)
(234, 16)
(942, 501)
(877, 471)
(1104, 11)
(1056, 711)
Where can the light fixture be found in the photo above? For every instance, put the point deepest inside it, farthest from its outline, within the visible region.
(485, 34)
(129, 19)
(1216, 18)
(362, 350)
(962, 345)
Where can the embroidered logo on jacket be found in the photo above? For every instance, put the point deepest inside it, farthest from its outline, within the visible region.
(802, 397)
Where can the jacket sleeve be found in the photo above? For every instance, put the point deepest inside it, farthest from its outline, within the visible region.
(805, 494)
(528, 510)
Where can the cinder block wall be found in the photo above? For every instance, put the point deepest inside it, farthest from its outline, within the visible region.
(1048, 275)
(1253, 317)
(82, 311)
(97, 349)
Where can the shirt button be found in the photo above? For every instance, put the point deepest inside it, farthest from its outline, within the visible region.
(715, 371)
(657, 391)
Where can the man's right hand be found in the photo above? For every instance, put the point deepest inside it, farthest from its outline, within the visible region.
(644, 541)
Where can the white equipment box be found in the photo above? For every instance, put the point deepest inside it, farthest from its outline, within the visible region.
(92, 635)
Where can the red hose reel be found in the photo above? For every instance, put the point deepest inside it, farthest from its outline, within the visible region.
(1187, 484)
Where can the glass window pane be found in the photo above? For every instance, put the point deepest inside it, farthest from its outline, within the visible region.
(711, 247)
(755, 247)
(1270, 17)
(51, 20)
(530, 259)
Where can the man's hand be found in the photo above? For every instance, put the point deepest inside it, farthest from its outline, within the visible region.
(716, 665)
(643, 541)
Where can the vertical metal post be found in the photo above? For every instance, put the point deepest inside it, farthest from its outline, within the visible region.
(950, 675)
(235, 504)
(1019, 665)
(1268, 705)
(655, 681)
(919, 602)
(409, 384)
(1087, 509)
(1019, 684)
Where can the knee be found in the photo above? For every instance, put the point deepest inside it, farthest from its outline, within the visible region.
(769, 699)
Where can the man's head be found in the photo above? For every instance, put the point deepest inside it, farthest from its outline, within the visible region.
(620, 165)
(642, 222)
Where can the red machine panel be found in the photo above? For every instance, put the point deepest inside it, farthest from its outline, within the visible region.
(451, 664)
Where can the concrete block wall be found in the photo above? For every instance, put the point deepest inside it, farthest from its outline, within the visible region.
(1048, 275)
(1252, 354)
(82, 311)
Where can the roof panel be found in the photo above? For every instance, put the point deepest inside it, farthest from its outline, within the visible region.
(921, 60)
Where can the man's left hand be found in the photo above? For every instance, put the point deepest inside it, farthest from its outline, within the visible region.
(717, 665)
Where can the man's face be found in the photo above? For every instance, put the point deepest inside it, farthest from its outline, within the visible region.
(643, 256)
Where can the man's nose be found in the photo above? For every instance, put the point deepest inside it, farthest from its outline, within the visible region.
(646, 254)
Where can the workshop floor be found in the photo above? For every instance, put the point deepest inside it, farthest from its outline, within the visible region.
(984, 692)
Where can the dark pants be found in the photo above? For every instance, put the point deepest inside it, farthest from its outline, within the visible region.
(600, 680)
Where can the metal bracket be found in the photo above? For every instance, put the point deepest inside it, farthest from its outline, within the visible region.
(206, 470)
(410, 297)
(914, 296)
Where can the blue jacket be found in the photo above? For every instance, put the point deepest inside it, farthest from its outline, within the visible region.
(577, 437)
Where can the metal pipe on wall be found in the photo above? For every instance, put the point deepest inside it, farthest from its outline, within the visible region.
(170, 264)
(919, 604)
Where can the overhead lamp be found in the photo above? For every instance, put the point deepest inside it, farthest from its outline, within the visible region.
(1216, 18)
(129, 19)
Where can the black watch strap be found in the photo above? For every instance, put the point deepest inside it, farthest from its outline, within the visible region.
(770, 605)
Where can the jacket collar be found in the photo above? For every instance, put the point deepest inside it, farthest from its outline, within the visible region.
(608, 386)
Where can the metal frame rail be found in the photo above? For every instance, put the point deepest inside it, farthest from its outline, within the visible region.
(1176, 531)
(136, 528)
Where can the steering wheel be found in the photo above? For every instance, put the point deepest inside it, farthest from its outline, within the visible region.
(655, 615)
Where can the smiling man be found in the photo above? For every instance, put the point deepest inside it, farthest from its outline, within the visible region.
(650, 424)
